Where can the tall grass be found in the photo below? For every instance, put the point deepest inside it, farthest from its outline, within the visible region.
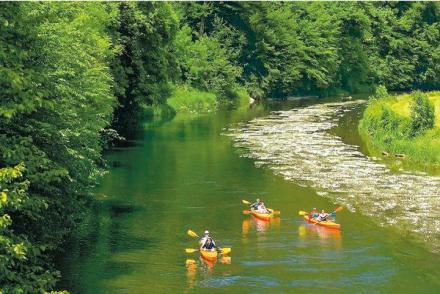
(386, 125)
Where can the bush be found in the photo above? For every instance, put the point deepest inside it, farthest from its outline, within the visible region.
(380, 92)
(422, 114)
(190, 100)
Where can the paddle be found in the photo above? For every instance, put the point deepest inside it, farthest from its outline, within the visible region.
(191, 250)
(224, 250)
(301, 212)
(192, 234)
(277, 212)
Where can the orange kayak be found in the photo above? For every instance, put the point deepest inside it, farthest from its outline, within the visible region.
(263, 216)
(327, 224)
(208, 255)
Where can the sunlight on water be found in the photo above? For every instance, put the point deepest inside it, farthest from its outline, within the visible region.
(296, 144)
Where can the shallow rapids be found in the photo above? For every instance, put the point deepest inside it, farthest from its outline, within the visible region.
(297, 145)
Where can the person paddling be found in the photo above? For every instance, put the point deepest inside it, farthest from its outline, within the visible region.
(205, 238)
(209, 245)
(323, 216)
(255, 205)
(262, 208)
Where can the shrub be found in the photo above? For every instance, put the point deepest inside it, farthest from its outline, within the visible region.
(380, 92)
(422, 114)
(190, 100)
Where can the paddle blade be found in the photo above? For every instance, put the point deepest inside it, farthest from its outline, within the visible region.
(301, 212)
(339, 209)
(192, 233)
(246, 202)
(246, 212)
(225, 250)
(191, 250)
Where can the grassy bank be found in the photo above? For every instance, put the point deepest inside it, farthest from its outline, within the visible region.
(189, 100)
(407, 124)
(186, 99)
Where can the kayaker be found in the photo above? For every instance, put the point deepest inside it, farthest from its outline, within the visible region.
(209, 245)
(256, 204)
(323, 216)
(313, 213)
(262, 208)
(205, 238)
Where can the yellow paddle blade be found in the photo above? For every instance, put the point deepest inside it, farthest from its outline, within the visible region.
(192, 233)
(246, 212)
(191, 250)
(246, 202)
(225, 250)
(340, 208)
(302, 212)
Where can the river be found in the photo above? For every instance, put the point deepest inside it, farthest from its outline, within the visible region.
(193, 174)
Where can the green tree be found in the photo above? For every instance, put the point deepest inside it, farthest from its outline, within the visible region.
(422, 114)
(144, 67)
(56, 100)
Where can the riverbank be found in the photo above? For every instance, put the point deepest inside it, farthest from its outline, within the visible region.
(405, 126)
(188, 100)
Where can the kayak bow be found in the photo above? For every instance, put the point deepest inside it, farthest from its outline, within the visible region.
(208, 255)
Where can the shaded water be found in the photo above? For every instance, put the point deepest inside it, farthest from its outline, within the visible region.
(186, 174)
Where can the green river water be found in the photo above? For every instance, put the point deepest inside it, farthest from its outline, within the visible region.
(185, 174)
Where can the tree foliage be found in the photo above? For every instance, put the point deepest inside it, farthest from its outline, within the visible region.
(56, 99)
(144, 65)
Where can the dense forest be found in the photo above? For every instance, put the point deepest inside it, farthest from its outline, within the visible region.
(76, 76)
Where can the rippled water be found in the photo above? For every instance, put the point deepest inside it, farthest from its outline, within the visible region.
(297, 145)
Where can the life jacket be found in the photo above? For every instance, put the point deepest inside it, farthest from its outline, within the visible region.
(323, 216)
(208, 246)
(204, 240)
(262, 208)
(255, 205)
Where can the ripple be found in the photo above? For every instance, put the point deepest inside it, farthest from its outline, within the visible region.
(296, 144)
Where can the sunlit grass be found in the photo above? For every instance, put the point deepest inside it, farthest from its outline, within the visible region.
(189, 100)
(401, 104)
(424, 148)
